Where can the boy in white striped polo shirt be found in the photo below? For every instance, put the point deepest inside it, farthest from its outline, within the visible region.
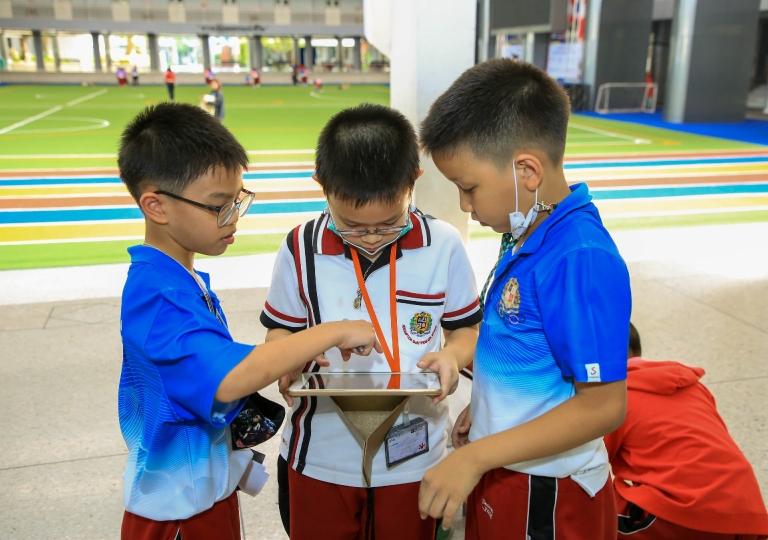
(370, 255)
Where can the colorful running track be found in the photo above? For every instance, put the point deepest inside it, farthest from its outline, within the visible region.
(90, 211)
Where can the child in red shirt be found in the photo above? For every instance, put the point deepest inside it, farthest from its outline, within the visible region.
(678, 473)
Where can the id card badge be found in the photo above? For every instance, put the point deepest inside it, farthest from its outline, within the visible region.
(406, 441)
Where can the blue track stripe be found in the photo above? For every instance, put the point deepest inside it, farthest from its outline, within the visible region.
(308, 173)
(108, 214)
(115, 180)
(677, 191)
(663, 162)
(59, 181)
(277, 176)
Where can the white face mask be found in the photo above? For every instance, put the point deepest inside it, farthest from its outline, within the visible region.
(517, 221)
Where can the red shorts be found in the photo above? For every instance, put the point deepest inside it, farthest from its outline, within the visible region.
(636, 524)
(221, 521)
(323, 511)
(508, 504)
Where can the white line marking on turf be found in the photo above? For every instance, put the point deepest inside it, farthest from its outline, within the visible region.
(279, 152)
(31, 119)
(95, 123)
(611, 143)
(635, 140)
(57, 108)
(57, 156)
(86, 98)
(110, 156)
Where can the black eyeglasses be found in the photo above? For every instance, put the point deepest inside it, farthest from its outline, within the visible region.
(225, 211)
(383, 231)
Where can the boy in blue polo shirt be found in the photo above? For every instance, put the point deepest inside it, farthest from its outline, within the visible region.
(550, 364)
(184, 378)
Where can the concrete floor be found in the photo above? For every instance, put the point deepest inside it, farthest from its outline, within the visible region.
(699, 297)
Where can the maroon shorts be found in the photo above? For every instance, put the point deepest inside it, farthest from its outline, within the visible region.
(508, 504)
(636, 524)
(323, 511)
(221, 521)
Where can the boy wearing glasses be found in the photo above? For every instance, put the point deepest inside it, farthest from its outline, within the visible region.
(184, 379)
(370, 255)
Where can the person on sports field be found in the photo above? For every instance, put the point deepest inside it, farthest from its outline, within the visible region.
(170, 83)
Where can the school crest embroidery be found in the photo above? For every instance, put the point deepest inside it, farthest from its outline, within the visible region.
(421, 324)
(509, 304)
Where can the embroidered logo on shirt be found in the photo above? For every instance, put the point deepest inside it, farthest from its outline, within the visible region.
(487, 509)
(593, 372)
(509, 304)
(421, 324)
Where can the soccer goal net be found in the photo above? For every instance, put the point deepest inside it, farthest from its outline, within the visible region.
(626, 97)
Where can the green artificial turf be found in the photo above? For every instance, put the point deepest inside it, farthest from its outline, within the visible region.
(264, 118)
(14, 257)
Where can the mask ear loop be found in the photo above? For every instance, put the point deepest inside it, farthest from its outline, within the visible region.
(517, 198)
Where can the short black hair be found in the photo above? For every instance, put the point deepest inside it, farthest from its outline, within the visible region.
(171, 145)
(367, 153)
(635, 348)
(495, 108)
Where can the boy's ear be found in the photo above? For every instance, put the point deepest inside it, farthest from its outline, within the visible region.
(316, 179)
(152, 206)
(418, 174)
(530, 171)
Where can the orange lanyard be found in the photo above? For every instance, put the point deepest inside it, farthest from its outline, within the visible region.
(392, 359)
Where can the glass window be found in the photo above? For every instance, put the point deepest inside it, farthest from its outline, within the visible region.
(371, 58)
(20, 49)
(229, 53)
(278, 53)
(129, 51)
(76, 52)
(183, 54)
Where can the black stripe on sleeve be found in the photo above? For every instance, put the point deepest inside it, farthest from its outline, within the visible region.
(270, 323)
(542, 499)
(471, 320)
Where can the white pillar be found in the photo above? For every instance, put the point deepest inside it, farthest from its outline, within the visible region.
(765, 111)
(485, 30)
(530, 47)
(425, 60)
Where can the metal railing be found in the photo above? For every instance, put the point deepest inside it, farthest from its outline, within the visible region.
(32, 11)
(151, 14)
(208, 16)
(91, 12)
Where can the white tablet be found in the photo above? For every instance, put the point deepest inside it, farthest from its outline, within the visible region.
(366, 384)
